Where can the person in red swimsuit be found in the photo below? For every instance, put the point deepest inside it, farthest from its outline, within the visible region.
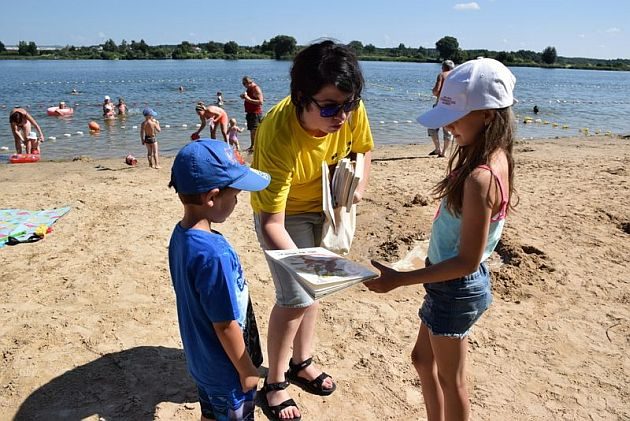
(253, 101)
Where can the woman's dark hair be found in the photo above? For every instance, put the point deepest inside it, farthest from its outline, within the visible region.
(17, 117)
(321, 64)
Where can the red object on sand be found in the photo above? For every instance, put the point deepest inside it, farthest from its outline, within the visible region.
(194, 136)
(23, 158)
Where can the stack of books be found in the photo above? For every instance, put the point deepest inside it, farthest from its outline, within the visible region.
(321, 272)
(338, 191)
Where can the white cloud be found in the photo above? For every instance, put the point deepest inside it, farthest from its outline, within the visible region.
(505, 41)
(467, 6)
(612, 30)
(101, 35)
(582, 36)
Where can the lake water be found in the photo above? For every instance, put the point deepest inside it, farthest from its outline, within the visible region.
(395, 94)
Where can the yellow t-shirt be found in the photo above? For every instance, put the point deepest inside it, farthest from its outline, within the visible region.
(294, 158)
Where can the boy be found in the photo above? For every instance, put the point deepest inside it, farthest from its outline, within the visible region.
(211, 292)
(149, 129)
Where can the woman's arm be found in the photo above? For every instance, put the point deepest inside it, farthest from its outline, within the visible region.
(34, 123)
(274, 233)
(203, 123)
(476, 213)
(367, 165)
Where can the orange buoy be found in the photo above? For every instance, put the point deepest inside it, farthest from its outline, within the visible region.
(93, 125)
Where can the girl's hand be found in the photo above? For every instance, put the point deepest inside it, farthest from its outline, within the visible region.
(384, 283)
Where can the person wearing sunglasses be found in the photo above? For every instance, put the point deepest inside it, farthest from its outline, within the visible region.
(324, 119)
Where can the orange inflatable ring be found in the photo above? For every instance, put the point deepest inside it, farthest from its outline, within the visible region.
(56, 111)
(24, 158)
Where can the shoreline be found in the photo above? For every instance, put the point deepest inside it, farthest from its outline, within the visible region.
(89, 311)
(4, 154)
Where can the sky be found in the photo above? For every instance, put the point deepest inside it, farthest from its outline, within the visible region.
(576, 28)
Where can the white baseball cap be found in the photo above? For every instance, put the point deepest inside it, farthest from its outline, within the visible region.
(32, 136)
(107, 98)
(481, 84)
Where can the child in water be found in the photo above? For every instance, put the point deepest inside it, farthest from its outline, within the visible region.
(475, 105)
(233, 131)
(149, 129)
(121, 107)
(220, 101)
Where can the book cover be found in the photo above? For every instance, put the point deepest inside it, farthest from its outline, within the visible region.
(320, 271)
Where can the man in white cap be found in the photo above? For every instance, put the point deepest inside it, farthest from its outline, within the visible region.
(447, 66)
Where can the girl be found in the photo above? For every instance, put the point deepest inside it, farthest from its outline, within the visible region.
(323, 119)
(233, 131)
(475, 106)
(121, 107)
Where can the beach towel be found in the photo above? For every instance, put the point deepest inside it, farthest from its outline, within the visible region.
(22, 224)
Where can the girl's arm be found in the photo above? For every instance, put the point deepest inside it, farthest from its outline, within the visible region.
(238, 129)
(203, 123)
(476, 213)
(231, 337)
(274, 233)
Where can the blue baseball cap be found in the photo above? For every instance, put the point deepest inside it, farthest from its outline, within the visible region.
(149, 111)
(207, 164)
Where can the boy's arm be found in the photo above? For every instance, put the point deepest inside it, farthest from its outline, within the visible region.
(231, 337)
(142, 133)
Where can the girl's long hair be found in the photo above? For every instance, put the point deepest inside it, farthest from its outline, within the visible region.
(499, 134)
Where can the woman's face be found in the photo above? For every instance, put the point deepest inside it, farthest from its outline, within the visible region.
(311, 119)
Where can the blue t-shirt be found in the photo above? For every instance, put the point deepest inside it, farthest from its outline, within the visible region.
(210, 288)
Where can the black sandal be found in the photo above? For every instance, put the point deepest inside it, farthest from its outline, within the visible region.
(315, 386)
(273, 412)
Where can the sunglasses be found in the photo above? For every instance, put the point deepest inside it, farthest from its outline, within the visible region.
(332, 110)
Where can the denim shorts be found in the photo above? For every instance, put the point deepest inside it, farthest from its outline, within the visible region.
(231, 407)
(451, 308)
(305, 230)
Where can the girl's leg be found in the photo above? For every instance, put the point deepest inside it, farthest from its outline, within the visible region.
(424, 362)
(303, 345)
(450, 357)
(284, 322)
(156, 158)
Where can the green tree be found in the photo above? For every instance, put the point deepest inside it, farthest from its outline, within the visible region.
(447, 47)
(110, 46)
(357, 46)
(370, 49)
(214, 47)
(549, 55)
(230, 48)
(459, 56)
(32, 48)
(504, 57)
(2, 47)
(282, 45)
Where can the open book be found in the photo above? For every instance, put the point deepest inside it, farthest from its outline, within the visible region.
(319, 271)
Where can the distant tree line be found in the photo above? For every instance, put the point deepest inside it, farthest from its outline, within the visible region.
(283, 47)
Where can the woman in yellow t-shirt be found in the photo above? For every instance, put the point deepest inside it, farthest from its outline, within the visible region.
(323, 119)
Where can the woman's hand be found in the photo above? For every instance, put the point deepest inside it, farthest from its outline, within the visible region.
(384, 283)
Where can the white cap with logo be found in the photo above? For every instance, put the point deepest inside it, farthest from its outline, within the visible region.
(481, 84)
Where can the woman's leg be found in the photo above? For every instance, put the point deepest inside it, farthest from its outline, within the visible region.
(284, 322)
(424, 363)
(450, 357)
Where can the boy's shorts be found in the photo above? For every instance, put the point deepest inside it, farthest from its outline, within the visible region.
(451, 308)
(233, 407)
(305, 230)
(253, 120)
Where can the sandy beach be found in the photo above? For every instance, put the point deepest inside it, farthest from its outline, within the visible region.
(88, 324)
